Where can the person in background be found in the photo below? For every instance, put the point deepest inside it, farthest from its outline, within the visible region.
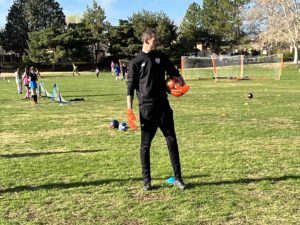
(112, 68)
(18, 76)
(124, 71)
(33, 77)
(97, 72)
(117, 71)
(75, 70)
(25, 79)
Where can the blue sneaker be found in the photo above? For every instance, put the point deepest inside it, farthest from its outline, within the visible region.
(171, 180)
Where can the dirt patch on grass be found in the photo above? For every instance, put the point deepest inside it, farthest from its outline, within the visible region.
(149, 197)
(133, 222)
(280, 123)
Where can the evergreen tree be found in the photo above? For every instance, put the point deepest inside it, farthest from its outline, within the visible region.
(122, 40)
(94, 20)
(191, 29)
(44, 48)
(76, 40)
(14, 36)
(41, 14)
(165, 28)
(50, 45)
(26, 16)
(222, 20)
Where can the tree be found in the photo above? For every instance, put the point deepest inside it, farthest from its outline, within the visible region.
(50, 45)
(77, 39)
(122, 40)
(44, 48)
(94, 20)
(275, 22)
(223, 21)
(14, 36)
(165, 28)
(191, 28)
(41, 14)
(26, 16)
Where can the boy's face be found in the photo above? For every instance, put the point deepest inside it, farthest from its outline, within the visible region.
(153, 42)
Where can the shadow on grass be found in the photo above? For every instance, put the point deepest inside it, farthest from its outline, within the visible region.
(67, 185)
(37, 154)
(243, 181)
(123, 182)
(91, 95)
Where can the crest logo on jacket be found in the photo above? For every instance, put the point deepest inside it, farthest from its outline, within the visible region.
(157, 60)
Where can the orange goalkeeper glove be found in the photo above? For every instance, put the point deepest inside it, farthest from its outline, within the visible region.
(131, 119)
(175, 92)
(184, 88)
(179, 90)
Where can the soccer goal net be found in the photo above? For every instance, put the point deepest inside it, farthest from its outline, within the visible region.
(237, 67)
(227, 67)
(193, 67)
(263, 67)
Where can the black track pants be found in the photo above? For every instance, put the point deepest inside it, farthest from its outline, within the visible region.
(150, 120)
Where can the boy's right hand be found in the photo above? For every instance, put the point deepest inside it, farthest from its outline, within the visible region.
(131, 119)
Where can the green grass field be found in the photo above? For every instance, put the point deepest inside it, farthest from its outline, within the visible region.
(61, 164)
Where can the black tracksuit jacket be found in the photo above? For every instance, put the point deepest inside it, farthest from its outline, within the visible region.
(147, 76)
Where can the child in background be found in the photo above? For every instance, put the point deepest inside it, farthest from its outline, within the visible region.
(25, 79)
(117, 71)
(18, 76)
(97, 72)
(33, 77)
(112, 68)
(124, 71)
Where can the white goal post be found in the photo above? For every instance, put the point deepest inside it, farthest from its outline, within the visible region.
(239, 67)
